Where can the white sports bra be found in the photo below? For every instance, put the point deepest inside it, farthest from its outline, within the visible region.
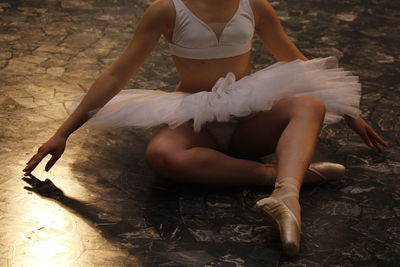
(193, 38)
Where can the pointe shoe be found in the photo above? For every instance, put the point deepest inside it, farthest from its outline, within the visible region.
(327, 170)
(277, 211)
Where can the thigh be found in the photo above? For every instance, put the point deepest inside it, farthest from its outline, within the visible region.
(168, 140)
(258, 135)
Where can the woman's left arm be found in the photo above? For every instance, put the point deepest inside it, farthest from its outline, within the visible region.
(278, 43)
(269, 29)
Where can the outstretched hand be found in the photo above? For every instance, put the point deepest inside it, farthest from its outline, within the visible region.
(55, 146)
(365, 131)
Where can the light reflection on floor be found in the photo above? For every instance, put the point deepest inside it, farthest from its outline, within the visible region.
(43, 232)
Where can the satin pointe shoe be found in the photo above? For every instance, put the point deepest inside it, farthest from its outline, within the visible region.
(276, 211)
(326, 170)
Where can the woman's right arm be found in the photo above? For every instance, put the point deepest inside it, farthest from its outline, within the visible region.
(147, 34)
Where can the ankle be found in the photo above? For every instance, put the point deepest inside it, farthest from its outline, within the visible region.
(287, 187)
(285, 194)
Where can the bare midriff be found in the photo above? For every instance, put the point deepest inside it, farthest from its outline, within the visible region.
(201, 74)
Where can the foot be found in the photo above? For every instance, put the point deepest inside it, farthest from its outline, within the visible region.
(317, 173)
(283, 209)
(320, 172)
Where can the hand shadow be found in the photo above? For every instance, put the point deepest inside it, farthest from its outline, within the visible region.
(44, 188)
(89, 212)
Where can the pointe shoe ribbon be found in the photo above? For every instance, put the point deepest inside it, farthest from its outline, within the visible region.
(287, 223)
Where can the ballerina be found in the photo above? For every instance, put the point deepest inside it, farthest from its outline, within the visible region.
(220, 116)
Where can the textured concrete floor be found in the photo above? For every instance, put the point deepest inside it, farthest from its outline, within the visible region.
(114, 211)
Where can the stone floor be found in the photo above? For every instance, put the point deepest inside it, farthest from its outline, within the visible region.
(114, 211)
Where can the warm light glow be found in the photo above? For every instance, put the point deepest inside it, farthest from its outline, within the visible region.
(42, 232)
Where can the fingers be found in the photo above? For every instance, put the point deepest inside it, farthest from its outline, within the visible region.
(378, 146)
(378, 141)
(52, 161)
(366, 139)
(33, 162)
(371, 138)
(54, 146)
(374, 135)
(32, 158)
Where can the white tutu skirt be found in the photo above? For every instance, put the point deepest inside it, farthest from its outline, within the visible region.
(319, 77)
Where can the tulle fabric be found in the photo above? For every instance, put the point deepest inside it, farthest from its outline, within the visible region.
(320, 77)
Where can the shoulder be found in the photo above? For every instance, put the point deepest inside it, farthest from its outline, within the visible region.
(161, 12)
(263, 12)
(162, 7)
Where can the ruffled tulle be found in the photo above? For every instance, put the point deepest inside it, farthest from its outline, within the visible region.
(319, 77)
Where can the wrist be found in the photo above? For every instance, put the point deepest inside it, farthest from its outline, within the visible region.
(348, 118)
(61, 134)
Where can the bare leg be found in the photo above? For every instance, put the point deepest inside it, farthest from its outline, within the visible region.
(294, 152)
(295, 124)
(295, 149)
(183, 155)
(291, 128)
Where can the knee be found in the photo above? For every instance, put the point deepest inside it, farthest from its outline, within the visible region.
(309, 106)
(165, 161)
